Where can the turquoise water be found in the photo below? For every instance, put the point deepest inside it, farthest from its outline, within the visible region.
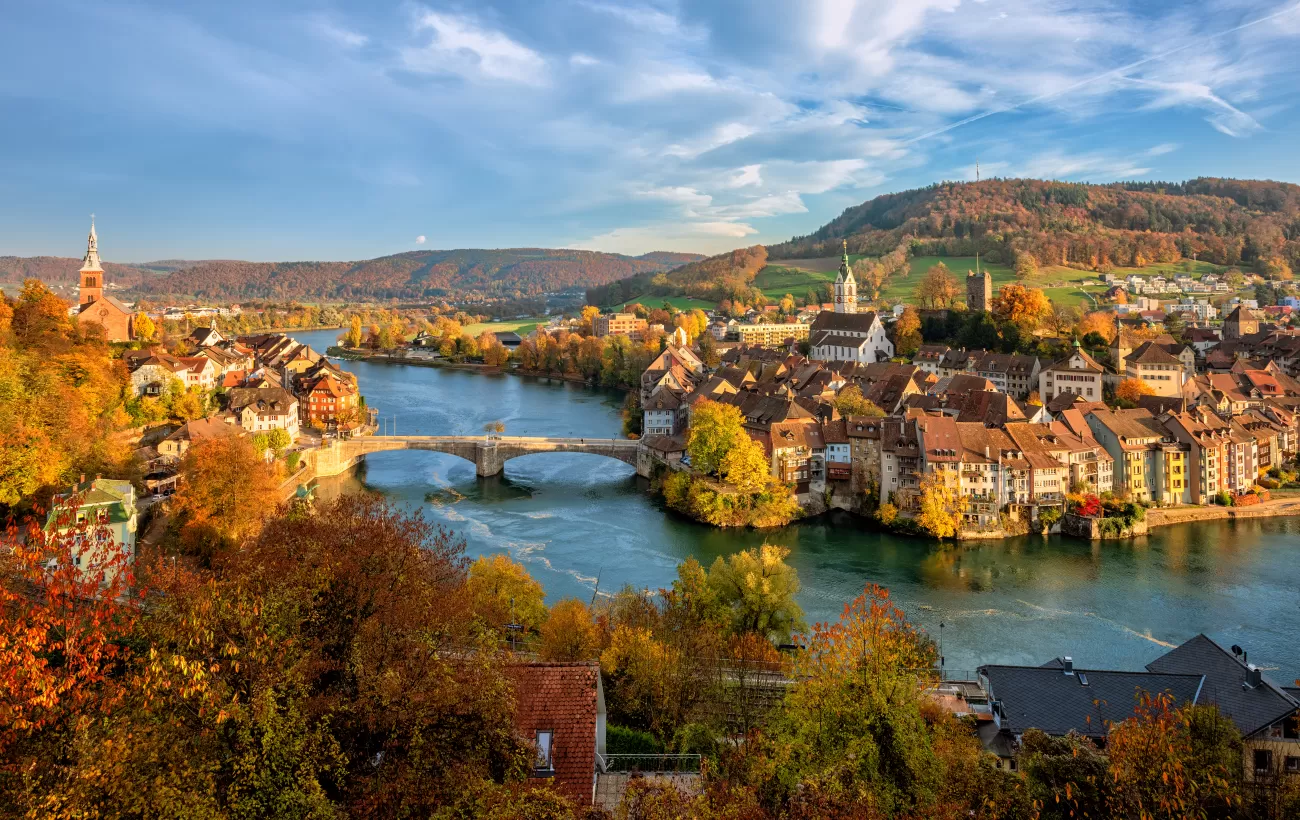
(576, 519)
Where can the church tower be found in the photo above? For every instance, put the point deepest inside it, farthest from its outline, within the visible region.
(846, 288)
(92, 273)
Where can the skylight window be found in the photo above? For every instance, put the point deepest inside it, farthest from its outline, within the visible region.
(544, 743)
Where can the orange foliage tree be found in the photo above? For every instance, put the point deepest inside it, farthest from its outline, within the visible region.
(1130, 390)
(1021, 306)
(227, 490)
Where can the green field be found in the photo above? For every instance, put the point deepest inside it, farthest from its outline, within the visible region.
(795, 276)
(521, 326)
(652, 302)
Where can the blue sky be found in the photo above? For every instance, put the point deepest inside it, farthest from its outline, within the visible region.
(347, 130)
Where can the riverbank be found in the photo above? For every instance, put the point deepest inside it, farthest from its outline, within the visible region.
(1273, 508)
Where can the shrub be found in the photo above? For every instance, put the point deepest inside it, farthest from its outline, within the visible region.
(622, 740)
(1223, 499)
(1049, 517)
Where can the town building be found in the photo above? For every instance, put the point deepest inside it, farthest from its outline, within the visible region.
(176, 445)
(770, 334)
(560, 710)
(619, 324)
(98, 518)
(262, 409)
(330, 402)
(1153, 364)
(96, 307)
(1240, 323)
(845, 287)
(849, 337)
(1078, 374)
(1266, 715)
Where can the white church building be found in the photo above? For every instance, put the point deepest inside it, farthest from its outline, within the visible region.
(846, 335)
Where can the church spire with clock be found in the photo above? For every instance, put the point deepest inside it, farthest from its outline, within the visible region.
(846, 288)
(92, 273)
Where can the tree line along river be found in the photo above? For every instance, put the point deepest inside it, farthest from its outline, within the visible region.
(576, 520)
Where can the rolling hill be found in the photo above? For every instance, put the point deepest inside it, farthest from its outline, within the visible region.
(516, 272)
(1223, 221)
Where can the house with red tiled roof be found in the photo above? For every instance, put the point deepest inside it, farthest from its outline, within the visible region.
(560, 709)
(329, 400)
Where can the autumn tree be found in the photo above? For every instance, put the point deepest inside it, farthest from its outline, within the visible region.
(938, 288)
(1103, 324)
(144, 327)
(1026, 265)
(226, 491)
(940, 507)
(503, 592)
(1061, 319)
(850, 402)
(759, 589)
(1132, 389)
(1024, 307)
(569, 633)
(746, 466)
(67, 615)
(714, 430)
(857, 735)
(907, 332)
(589, 314)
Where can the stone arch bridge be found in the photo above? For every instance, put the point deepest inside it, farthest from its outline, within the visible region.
(489, 455)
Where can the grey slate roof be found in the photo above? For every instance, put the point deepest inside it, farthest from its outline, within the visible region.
(1046, 698)
(1251, 709)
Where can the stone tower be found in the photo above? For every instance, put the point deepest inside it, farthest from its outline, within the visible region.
(92, 273)
(846, 288)
(979, 291)
(1120, 347)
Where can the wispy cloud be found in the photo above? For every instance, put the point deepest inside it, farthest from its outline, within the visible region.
(336, 34)
(461, 45)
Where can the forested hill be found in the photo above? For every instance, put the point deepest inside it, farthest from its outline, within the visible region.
(61, 270)
(517, 272)
(1225, 221)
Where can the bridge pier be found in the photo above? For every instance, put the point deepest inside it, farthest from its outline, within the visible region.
(487, 460)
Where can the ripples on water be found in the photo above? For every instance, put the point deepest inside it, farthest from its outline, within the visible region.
(573, 518)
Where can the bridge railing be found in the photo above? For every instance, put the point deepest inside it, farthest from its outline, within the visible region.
(498, 440)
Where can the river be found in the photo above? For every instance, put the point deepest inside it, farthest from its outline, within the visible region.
(573, 519)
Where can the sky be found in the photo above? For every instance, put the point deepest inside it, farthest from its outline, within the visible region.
(297, 130)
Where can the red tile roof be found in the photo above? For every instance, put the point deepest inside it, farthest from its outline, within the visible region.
(561, 698)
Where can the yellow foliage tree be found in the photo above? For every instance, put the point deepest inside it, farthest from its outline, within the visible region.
(745, 466)
(759, 589)
(1103, 324)
(503, 592)
(907, 332)
(939, 507)
(850, 402)
(715, 428)
(144, 327)
(569, 633)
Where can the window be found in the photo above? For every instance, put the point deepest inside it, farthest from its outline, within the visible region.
(1263, 760)
(1292, 764)
(544, 743)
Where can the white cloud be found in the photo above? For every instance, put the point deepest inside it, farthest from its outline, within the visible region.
(1162, 149)
(697, 236)
(420, 240)
(462, 46)
(1221, 114)
(679, 195)
(579, 60)
(746, 176)
(337, 34)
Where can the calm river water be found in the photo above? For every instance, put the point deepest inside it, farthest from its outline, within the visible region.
(573, 519)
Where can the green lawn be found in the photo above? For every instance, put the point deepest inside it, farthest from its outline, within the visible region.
(652, 302)
(521, 326)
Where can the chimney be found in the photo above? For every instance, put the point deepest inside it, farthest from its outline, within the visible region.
(1067, 664)
(1254, 678)
(986, 451)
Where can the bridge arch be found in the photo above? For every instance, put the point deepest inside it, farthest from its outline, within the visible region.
(488, 455)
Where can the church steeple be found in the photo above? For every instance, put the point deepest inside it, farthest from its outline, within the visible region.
(846, 288)
(92, 273)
